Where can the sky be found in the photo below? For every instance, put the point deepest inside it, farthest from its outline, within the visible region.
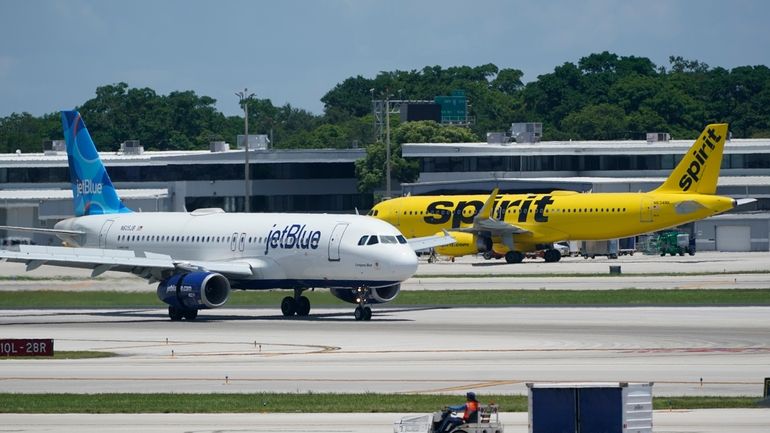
(55, 53)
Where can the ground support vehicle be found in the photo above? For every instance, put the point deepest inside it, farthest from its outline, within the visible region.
(488, 422)
(673, 242)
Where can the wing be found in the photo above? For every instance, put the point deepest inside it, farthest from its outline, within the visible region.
(486, 223)
(145, 264)
(41, 230)
(427, 242)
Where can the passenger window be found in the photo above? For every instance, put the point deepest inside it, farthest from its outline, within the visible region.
(363, 239)
(372, 240)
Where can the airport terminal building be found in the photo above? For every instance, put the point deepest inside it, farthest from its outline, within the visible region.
(35, 189)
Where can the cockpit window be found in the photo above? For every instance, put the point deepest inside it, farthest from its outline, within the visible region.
(372, 240)
(363, 239)
(388, 239)
(401, 239)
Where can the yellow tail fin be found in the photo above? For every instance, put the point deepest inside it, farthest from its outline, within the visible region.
(698, 171)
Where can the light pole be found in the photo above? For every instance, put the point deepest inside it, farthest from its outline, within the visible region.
(244, 99)
(387, 144)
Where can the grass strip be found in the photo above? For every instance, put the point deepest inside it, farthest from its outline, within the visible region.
(469, 297)
(293, 403)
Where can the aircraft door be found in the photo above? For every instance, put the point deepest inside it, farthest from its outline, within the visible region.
(335, 240)
(646, 211)
(103, 233)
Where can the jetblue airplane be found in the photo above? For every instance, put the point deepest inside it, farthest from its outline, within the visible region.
(198, 257)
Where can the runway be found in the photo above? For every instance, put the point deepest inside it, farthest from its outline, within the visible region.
(493, 350)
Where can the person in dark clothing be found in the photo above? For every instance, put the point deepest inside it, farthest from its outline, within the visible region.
(470, 414)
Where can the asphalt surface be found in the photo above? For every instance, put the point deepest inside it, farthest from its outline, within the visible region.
(410, 350)
(427, 350)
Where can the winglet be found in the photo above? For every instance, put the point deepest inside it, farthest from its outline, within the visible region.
(92, 190)
(698, 171)
(486, 210)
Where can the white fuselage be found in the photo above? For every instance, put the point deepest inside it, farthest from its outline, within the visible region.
(283, 250)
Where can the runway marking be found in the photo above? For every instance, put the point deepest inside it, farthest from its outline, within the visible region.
(652, 350)
(465, 386)
(268, 349)
(462, 383)
(264, 348)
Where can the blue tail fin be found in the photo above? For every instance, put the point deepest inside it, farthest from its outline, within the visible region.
(92, 189)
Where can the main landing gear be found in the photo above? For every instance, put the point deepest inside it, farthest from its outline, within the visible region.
(176, 313)
(299, 305)
(514, 256)
(362, 312)
(552, 255)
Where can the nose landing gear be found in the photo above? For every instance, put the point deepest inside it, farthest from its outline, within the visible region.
(362, 312)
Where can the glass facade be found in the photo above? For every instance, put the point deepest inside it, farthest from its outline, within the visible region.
(577, 163)
(182, 172)
(332, 203)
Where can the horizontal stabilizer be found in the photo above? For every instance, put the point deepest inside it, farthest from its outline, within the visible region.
(743, 201)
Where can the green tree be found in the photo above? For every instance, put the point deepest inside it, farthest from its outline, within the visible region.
(596, 122)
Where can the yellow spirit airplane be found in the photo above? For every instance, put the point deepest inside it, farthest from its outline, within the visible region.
(514, 224)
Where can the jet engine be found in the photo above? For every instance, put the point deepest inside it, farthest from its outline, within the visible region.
(195, 290)
(378, 295)
(467, 243)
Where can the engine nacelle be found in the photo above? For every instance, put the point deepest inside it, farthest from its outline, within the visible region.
(467, 243)
(380, 295)
(195, 290)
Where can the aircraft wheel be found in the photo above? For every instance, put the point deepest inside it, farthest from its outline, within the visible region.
(367, 313)
(174, 313)
(303, 306)
(359, 313)
(514, 257)
(552, 255)
(191, 314)
(288, 306)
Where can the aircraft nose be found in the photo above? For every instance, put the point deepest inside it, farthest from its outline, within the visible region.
(404, 264)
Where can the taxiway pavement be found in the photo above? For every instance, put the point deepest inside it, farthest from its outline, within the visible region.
(407, 350)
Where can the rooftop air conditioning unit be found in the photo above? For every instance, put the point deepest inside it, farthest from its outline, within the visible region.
(530, 132)
(256, 142)
(497, 138)
(653, 137)
(54, 147)
(131, 147)
(219, 146)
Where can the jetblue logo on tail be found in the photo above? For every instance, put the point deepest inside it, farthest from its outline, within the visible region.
(88, 186)
(92, 190)
(700, 156)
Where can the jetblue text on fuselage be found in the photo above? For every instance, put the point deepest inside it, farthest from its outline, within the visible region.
(87, 186)
(292, 236)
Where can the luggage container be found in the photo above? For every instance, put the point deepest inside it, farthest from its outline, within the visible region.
(591, 249)
(617, 407)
